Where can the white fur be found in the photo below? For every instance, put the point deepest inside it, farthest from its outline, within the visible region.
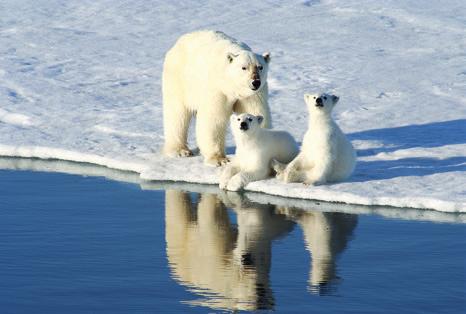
(326, 154)
(255, 149)
(210, 74)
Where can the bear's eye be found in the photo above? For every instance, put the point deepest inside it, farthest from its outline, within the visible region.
(325, 97)
(314, 97)
(260, 67)
(239, 119)
(243, 68)
(250, 119)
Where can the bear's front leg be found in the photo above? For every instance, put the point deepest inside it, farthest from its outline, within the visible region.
(211, 123)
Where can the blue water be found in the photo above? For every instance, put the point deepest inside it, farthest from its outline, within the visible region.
(74, 244)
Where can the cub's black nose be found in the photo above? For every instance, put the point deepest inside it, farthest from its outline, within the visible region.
(256, 84)
(319, 102)
(243, 126)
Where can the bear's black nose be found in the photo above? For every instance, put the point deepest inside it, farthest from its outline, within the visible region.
(319, 102)
(256, 84)
(243, 126)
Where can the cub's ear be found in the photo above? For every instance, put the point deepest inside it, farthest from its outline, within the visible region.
(231, 56)
(266, 56)
(260, 119)
(310, 98)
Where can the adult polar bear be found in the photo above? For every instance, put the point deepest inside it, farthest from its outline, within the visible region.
(210, 74)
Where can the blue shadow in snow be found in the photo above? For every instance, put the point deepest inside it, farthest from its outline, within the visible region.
(388, 169)
(418, 135)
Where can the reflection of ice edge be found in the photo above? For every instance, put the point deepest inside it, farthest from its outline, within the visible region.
(86, 169)
(69, 167)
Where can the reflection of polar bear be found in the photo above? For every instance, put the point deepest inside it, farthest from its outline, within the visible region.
(210, 74)
(326, 236)
(229, 266)
(255, 149)
(326, 154)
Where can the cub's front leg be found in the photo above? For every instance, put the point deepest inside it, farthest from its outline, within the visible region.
(293, 170)
(227, 173)
(241, 179)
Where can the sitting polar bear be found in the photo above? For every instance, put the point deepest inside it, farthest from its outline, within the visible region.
(326, 154)
(209, 74)
(255, 149)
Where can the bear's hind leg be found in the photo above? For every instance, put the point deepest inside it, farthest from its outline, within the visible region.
(176, 119)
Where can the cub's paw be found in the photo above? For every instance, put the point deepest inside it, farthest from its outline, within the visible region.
(235, 183)
(279, 168)
(223, 184)
(288, 176)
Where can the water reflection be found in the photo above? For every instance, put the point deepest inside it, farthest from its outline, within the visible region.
(326, 236)
(228, 264)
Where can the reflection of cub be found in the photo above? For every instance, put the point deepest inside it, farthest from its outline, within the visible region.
(326, 236)
(208, 254)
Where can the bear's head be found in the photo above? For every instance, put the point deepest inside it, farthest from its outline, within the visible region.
(246, 72)
(245, 124)
(320, 103)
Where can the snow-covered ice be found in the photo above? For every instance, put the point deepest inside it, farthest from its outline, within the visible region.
(80, 81)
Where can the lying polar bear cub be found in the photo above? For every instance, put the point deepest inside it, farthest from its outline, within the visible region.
(326, 154)
(255, 149)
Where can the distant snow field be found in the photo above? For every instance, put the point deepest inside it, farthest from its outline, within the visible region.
(80, 81)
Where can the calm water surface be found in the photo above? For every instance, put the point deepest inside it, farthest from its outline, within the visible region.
(74, 244)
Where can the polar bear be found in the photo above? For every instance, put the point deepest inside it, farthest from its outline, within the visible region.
(210, 75)
(326, 154)
(255, 149)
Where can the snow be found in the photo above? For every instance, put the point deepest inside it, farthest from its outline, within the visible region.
(80, 81)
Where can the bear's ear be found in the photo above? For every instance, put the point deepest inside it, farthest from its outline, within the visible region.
(266, 56)
(230, 57)
(260, 119)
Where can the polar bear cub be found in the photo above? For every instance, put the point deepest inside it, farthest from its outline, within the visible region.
(255, 149)
(326, 154)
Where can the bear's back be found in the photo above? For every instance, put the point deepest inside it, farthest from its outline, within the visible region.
(210, 41)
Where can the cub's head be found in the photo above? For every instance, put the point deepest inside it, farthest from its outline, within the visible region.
(320, 103)
(246, 72)
(245, 124)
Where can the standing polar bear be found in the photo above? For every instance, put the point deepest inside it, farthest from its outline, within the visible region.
(326, 154)
(210, 75)
(255, 149)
